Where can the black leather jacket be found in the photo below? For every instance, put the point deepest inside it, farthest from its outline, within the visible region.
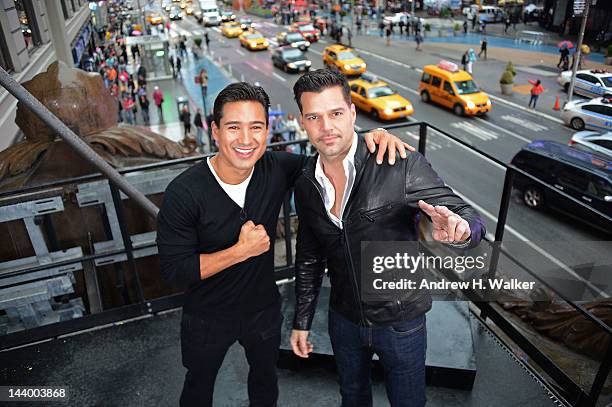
(382, 207)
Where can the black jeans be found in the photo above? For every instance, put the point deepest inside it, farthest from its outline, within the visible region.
(205, 341)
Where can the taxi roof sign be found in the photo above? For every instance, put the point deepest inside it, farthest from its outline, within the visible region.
(448, 66)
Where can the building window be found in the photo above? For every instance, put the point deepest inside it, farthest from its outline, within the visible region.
(28, 23)
(5, 61)
(64, 9)
(74, 7)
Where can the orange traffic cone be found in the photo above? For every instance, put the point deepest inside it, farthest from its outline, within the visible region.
(556, 106)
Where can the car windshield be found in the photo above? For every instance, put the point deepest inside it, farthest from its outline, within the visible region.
(246, 20)
(380, 91)
(254, 36)
(343, 56)
(294, 37)
(307, 27)
(467, 87)
(292, 53)
(607, 81)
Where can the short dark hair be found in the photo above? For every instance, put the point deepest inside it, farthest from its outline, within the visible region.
(319, 80)
(240, 92)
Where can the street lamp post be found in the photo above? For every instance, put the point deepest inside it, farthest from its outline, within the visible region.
(578, 53)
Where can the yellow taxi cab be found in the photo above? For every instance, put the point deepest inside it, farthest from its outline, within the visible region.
(447, 85)
(344, 59)
(253, 41)
(154, 19)
(231, 30)
(374, 96)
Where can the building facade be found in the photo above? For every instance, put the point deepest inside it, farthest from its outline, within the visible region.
(33, 34)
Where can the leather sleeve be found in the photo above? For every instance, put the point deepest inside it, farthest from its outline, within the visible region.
(423, 183)
(309, 269)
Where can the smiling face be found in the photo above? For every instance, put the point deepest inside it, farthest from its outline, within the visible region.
(241, 137)
(329, 121)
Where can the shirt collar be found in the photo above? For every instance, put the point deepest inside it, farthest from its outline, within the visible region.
(347, 162)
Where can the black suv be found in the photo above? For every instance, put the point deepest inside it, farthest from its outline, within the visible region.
(582, 175)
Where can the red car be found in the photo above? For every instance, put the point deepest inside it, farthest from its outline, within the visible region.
(307, 29)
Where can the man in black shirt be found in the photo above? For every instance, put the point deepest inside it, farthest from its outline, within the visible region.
(214, 232)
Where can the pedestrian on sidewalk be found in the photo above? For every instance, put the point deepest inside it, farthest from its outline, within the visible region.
(418, 38)
(401, 27)
(471, 60)
(199, 125)
(536, 90)
(563, 57)
(507, 25)
(158, 98)
(464, 60)
(178, 67)
(474, 19)
(207, 41)
(292, 126)
(388, 34)
(128, 106)
(182, 48)
(141, 76)
(143, 100)
(171, 61)
(381, 27)
(186, 119)
(465, 26)
(358, 23)
(483, 48)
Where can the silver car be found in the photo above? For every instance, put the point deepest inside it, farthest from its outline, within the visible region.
(594, 142)
(590, 83)
(593, 114)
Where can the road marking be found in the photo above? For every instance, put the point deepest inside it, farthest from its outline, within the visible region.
(399, 85)
(266, 23)
(217, 29)
(534, 112)
(273, 42)
(476, 131)
(508, 132)
(534, 246)
(315, 51)
(524, 123)
(279, 77)
(239, 52)
(252, 65)
(322, 41)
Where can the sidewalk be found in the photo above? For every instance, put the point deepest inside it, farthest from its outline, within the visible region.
(185, 86)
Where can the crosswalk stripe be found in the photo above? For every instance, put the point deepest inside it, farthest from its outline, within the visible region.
(521, 121)
(476, 131)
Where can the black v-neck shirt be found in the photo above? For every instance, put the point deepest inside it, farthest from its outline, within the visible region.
(197, 216)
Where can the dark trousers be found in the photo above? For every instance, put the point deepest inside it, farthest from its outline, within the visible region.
(401, 349)
(533, 100)
(206, 340)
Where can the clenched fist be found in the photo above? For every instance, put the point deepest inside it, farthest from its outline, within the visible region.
(253, 240)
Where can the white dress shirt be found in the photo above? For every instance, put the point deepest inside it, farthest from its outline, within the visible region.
(329, 192)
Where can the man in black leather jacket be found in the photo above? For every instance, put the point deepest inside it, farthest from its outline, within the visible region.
(344, 198)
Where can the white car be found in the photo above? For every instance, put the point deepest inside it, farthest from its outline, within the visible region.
(594, 142)
(590, 83)
(396, 18)
(593, 114)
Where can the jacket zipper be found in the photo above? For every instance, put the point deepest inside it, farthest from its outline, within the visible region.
(347, 255)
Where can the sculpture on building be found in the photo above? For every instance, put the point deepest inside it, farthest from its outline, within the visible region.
(80, 100)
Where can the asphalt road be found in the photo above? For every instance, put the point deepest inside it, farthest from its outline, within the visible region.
(501, 134)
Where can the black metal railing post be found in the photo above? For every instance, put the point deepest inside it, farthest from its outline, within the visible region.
(600, 378)
(127, 242)
(422, 137)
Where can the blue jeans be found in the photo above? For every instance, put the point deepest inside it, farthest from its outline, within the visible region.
(401, 349)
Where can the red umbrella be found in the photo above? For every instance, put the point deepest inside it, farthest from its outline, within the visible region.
(565, 44)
